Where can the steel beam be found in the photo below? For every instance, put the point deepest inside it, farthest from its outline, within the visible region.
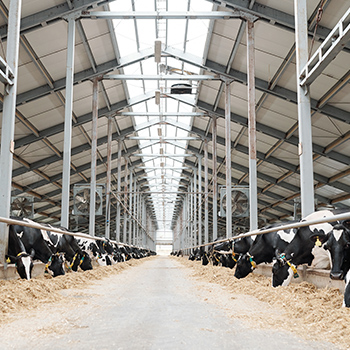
(215, 178)
(108, 180)
(228, 159)
(253, 195)
(328, 50)
(8, 123)
(164, 15)
(93, 157)
(160, 77)
(68, 124)
(304, 112)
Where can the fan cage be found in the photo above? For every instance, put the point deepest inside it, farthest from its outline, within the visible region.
(84, 187)
(240, 212)
(22, 206)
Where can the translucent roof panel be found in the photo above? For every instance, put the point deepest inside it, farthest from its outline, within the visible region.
(162, 159)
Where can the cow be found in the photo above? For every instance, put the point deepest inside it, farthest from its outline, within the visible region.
(17, 255)
(91, 247)
(32, 238)
(337, 243)
(66, 244)
(263, 249)
(302, 250)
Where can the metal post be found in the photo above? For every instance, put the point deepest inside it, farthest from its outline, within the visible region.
(228, 158)
(215, 179)
(117, 238)
(191, 213)
(200, 200)
(195, 230)
(125, 200)
(93, 158)
(253, 185)
(130, 207)
(8, 122)
(206, 194)
(134, 212)
(68, 124)
(108, 182)
(304, 112)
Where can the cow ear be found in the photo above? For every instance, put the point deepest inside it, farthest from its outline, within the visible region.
(319, 238)
(346, 224)
(11, 259)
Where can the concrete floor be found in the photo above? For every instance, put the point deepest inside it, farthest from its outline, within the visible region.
(151, 306)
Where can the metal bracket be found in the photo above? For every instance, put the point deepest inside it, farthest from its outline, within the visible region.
(6, 74)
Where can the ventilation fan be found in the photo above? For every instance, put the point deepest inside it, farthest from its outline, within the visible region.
(240, 202)
(81, 195)
(22, 207)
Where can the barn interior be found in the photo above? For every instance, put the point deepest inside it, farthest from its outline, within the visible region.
(152, 107)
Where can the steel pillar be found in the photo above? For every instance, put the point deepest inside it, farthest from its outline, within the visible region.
(134, 211)
(253, 185)
(93, 158)
(68, 124)
(130, 206)
(228, 158)
(200, 200)
(108, 181)
(125, 200)
(119, 176)
(206, 194)
(195, 230)
(8, 122)
(304, 112)
(215, 179)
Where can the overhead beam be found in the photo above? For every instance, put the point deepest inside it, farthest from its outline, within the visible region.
(242, 13)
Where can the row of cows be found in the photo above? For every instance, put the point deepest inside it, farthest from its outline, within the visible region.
(63, 252)
(324, 245)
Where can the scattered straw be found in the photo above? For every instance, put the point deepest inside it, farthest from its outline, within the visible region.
(302, 308)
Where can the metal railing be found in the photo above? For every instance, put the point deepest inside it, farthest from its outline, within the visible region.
(257, 232)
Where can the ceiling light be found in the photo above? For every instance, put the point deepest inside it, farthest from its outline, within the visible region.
(157, 97)
(157, 50)
(161, 150)
(159, 131)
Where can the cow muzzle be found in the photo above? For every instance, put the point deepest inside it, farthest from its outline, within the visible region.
(336, 275)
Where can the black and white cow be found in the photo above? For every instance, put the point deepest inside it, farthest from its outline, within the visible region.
(303, 250)
(337, 243)
(17, 254)
(32, 238)
(67, 245)
(90, 246)
(263, 249)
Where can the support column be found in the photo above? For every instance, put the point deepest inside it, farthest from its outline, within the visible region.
(253, 185)
(228, 158)
(8, 122)
(125, 200)
(304, 112)
(130, 207)
(117, 238)
(134, 211)
(200, 200)
(206, 194)
(108, 182)
(93, 158)
(195, 230)
(68, 124)
(215, 179)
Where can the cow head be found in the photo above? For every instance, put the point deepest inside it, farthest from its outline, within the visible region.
(337, 242)
(24, 263)
(245, 265)
(55, 265)
(282, 270)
